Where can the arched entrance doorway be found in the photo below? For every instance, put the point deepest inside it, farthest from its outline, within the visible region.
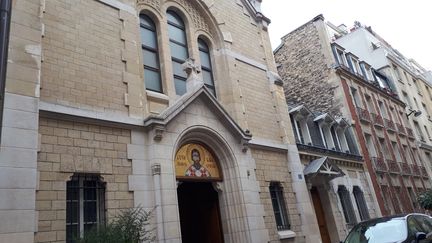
(196, 169)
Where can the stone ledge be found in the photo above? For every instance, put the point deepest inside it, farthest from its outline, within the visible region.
(286, 234)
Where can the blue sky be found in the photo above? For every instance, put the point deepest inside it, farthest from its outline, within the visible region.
(406, 25)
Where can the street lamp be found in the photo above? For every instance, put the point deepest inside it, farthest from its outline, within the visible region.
(416, 113)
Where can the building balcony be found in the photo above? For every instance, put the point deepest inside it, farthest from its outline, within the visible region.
(424, 172)
(400, 129)
(415, 170)
(328, 152)
(363, 114)
(410, 133)
(377, 120)
(379, 165)
(405, 168)
(393, 167)
(390, 125)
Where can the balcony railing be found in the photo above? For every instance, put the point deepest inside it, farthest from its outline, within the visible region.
(400, 129)
(410, 132)
(415, 170)
(393, 166)
(377, 120)
(406, 169)
(389, 125)
(363, 114)
(379, 164)
(424, 172)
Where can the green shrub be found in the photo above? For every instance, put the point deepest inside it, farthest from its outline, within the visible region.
(131, 226)
(425, 199)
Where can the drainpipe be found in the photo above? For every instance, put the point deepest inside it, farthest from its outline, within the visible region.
(5, 19)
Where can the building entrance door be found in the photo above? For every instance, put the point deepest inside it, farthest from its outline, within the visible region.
(319, 211)
(199, 213)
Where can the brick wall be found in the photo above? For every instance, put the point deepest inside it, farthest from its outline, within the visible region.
(82, 64)
(305, 70)
(68, 147)
(272, 166)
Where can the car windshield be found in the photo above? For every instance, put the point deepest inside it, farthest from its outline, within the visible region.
(392, 230)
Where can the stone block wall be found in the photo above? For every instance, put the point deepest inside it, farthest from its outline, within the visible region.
(272, 167)
(304, 67)
(72, 147)
(82, 56)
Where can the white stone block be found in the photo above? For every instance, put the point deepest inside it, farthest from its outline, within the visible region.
(170, 213)
(25, 237)
(12, 199)
(20, 102)
(141, 167)
(144, 199)
(20, 119)
(18, 157)
(141, 183)
(17, 178)
(15, 221)
(19, 138)
(135, 151)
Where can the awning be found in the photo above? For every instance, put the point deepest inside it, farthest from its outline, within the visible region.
(323, 167)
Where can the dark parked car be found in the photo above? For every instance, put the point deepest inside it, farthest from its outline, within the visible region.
(406, 228)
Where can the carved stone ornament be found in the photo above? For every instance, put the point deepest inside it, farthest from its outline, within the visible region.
(198, 20)
(156, 169)
(192, 70)
(245, 145)
(158, 133)
(152, 3)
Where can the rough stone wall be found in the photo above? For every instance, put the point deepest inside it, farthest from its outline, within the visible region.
(69, 147)
(304, 70)
(82, 64)
(272, 166)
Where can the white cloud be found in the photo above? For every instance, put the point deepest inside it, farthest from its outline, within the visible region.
(406, 25)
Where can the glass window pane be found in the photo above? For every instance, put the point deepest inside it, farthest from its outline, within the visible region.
(180, 86)
(178, 69)
(152, 80)
(72, 212)
(90, 214)
(71, 233)
(148, 38)
(205, 59)
(202, 45)
(177, 34)
(150, 59)
(179, 52)
(211, 89)
(174, 18)
(207, 76)
(145, 20)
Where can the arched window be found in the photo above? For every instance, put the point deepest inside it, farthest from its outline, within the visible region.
(347, 206)
(206, 66)
(279, 208)
(85, 205)
(361, 203)
(179, 50)
(152, 74)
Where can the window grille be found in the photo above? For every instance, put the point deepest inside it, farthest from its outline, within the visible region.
(361, 203)
(279, 208)
(85, 205)
(347, 206)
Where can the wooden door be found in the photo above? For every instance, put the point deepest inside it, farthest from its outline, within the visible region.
(319, 211)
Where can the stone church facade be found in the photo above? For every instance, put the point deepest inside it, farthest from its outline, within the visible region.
(101, 97)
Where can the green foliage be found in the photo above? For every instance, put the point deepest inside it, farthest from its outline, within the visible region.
(131, 226)
(425, 199)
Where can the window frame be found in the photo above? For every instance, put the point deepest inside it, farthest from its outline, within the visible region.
(361, 203)
(151, 49)
(204, 68)
(100, 209)
(278, 201)
(184, 45)
(347, 206)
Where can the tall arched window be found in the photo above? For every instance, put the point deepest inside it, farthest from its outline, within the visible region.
(179, 50)
(361, 203)
(206, 66)
(152, 74)
(347, 206)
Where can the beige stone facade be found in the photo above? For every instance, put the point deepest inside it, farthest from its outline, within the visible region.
(76, 105)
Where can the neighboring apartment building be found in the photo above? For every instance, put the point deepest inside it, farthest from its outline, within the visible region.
(171, 105)
(325, 77)
(334, 172)
(409, 80)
